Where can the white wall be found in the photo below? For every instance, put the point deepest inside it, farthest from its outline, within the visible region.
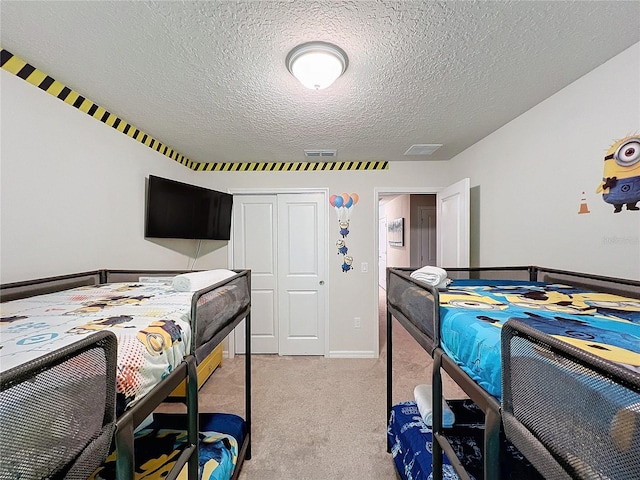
(72, 199)
(528, 177)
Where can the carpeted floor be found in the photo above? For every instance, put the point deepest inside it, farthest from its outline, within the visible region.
(317, 418)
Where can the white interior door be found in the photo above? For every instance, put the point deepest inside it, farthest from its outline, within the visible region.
(302, 273)
(382, 252)
(255, 229)
(452, 205)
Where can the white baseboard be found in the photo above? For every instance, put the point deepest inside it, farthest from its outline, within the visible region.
(352, 354)
(334, 354)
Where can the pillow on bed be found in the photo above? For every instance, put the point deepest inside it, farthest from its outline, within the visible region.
(194, 281)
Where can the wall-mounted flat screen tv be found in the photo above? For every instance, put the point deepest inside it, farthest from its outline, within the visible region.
(179, 210)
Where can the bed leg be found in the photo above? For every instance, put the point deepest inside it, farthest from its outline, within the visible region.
(492, 444)
(436, 395)
(389, 378)
(247, 372)
(125, 464)
(193, 417)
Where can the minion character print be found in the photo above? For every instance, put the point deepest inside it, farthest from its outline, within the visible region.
(342, 248)
(346, 263)
(620, 184)
(344, 205)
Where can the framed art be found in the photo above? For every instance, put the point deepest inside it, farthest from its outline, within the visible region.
(395, 232)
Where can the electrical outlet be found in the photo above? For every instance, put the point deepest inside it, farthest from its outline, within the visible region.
(356, 322)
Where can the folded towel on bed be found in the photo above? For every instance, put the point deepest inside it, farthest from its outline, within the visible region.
(194, 281)
(434, 276)
(422, 394)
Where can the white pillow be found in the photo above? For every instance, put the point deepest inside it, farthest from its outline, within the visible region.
(194, 281)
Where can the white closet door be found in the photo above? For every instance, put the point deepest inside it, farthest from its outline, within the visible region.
(302, 273)
(255, 229)
(282, 239)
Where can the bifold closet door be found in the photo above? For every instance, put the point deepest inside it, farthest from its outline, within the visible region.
(255, 230)
(302, 273)
(282, 239)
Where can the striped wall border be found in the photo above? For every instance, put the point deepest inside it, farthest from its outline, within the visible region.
(22, 69)
(289, 166)
(29, 73)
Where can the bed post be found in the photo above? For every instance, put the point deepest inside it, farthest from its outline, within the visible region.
(389, 362)
(436, 424)
(247, 389)
(193, 416)
(389, 375)
(125, 463)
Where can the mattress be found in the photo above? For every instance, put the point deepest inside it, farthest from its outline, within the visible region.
(473, 311)
(158, 445)
(151, 321)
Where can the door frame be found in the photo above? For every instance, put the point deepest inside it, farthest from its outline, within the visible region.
(275, 191)
(377, 191)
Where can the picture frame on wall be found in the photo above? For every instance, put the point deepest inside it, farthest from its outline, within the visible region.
(395, 232)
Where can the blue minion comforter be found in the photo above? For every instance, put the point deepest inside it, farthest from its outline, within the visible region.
(473, 311)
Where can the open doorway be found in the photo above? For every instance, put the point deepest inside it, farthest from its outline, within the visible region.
(407, 232)
(451, 219)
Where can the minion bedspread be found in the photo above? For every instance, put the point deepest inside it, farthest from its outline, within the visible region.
(472, 313)
(151, 321)
(158, 445)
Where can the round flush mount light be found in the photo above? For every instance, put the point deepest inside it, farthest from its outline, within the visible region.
(317, 64)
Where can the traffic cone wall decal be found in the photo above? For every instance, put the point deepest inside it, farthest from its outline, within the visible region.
(583, 205)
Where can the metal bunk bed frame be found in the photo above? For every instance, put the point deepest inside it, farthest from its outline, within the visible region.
(131, 418)
(431, 343)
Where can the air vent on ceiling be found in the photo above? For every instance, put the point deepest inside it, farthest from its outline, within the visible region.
(423, 149)
(320, 153)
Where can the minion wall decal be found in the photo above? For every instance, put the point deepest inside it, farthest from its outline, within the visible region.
(620, 184)
(344, 205)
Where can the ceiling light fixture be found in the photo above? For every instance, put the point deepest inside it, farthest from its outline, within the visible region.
(317, 64)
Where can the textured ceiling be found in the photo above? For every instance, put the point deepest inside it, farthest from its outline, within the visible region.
(209, 78)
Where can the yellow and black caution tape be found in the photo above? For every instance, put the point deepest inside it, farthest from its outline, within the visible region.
(289, 166)
(22, 69)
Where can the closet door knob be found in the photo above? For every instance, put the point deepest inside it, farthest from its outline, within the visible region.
(321, 282)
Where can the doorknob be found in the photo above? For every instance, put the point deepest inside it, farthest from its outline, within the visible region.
(321, 282)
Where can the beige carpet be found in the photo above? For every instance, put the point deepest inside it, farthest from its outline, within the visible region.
(316, 418)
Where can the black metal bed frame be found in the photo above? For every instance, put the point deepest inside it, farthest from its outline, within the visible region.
(131, 418)
(430, 341)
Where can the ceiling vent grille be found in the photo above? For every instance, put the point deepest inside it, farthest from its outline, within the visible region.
(423, 149)
(320, 153)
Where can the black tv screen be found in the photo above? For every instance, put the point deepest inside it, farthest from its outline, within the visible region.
(179, 210)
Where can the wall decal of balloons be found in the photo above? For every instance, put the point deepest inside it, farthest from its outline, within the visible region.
(344, 205)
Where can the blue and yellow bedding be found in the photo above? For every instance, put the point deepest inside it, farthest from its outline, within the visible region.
(473, 311)
(158, 445)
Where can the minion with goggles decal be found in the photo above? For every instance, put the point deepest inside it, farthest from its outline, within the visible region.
(621, 180)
